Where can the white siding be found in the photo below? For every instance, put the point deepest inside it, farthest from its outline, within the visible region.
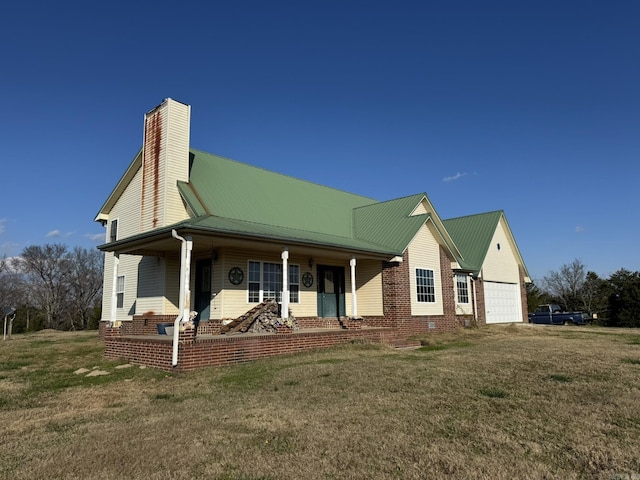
(424, 252)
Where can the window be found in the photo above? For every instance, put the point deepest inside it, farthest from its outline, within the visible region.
(113, 231)
(265, 282)
(426, 288)
(254, 282)
(462, 286)
(120, 292)
(271, 281)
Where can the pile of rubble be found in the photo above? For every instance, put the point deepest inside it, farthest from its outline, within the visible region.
(263, 318)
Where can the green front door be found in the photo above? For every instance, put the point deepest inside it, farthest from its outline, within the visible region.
(202, 300)
(331, 301)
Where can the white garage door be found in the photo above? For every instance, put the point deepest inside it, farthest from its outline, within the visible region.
(502, 302)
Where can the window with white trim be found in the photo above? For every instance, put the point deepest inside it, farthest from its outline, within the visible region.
(462, 287)
(120, 291)
(265, 282)
(113, 230)
(425, 285)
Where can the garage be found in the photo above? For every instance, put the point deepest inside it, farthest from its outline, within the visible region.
(502, 302)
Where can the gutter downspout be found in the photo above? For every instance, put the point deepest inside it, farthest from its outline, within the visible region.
(183, 314)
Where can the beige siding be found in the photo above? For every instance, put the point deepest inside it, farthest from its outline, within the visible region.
(127, 209)
(421, 209)
(501, 265)
(165, 161)
(127, 212)
(217, 291)
(234, 301)
(128, 266)
(369, 288)
(177, 160)
(171, 300)
(424, 252)
(107, 286)
(151, 285)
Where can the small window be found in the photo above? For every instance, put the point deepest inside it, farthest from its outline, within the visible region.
(113, 231)
(462, 286)
(426, 289)
(120, 292)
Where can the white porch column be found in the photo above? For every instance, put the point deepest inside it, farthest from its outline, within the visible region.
(187, 278)
(354, 299)
(114, 288)
(285, 283)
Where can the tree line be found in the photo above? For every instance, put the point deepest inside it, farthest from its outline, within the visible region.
(51, 286)
(615, 301)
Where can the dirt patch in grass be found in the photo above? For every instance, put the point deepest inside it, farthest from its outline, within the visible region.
(491, 403)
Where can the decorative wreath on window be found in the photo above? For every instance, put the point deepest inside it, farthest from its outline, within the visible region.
(307, 279)
(236, 275)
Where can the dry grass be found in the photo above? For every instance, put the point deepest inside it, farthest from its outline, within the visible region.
(495, 403)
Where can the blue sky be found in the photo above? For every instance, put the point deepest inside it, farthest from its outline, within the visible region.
(531, 107)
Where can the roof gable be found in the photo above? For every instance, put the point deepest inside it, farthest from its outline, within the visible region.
(395, 223)
(121, 186)
(473, 235)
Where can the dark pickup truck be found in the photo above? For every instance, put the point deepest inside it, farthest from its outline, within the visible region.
(553, 315)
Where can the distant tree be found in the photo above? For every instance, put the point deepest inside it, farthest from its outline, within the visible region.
(535, 297)
(624, 299)
(47, 270)
(565, 286)
(85, 285)
(595, 295)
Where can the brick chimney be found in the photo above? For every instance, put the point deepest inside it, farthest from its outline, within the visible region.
(165, 160)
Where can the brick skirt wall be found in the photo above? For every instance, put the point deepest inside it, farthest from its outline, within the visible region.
(226, 350)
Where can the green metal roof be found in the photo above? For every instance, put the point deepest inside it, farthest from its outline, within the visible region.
(229, 197)
(230, 189)
(389, 223)
(472, 234)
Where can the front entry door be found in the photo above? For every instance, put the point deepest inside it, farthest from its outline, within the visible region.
(331, 301)
(202, 300)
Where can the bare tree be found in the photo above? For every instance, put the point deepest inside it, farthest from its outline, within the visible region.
(47, 269)
(566, 285)
(85, 283)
